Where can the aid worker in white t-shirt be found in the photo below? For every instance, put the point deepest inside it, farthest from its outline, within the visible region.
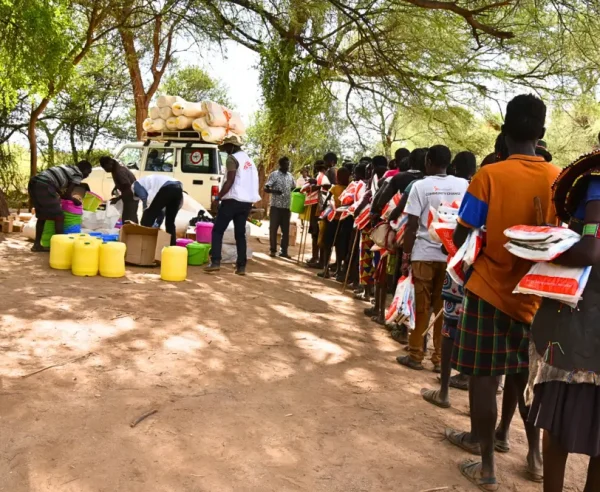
(236, 197)
(424, 257)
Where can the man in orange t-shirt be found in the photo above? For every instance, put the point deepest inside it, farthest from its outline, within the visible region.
(493, 333)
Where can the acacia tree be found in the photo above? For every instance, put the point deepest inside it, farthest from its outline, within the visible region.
(154, 46)
(74, 27)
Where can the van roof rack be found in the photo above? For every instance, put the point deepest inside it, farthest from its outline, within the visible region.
(175, 136)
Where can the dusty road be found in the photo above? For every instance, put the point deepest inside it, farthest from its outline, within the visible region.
(272, 382)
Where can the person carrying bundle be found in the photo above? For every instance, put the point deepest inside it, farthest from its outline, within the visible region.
(314, 201)
(337, 232)
(493, 333)
(464, 166)
(46, 190)
(566, 385)
(423, 257)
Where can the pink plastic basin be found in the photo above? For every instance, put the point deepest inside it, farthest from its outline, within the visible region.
(183, 242)
(204, 232)
(69, 206)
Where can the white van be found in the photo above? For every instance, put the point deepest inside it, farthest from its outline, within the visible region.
(198, 165)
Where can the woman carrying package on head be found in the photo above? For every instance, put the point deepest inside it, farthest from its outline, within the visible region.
(566, 402)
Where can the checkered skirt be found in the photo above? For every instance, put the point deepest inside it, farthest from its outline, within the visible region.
(488, 342)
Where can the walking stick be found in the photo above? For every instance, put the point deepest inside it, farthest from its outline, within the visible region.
(303, 236)
(326, 269)
(351, 259)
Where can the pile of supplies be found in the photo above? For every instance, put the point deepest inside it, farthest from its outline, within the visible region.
(543, 244)
(214, 122)
(73, 215)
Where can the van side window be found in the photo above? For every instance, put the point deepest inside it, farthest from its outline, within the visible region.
(131, 157)
(160, 160)
(199, 161)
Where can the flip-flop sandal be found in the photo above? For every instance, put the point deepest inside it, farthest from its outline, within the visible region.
(458, 439)
(534, 474)
(502, 446)
(433, 397)
(459, 383)
(409, 362)
(471, 470)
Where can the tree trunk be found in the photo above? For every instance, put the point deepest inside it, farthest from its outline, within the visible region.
(32, 137)
(73, 145)
(3, 205)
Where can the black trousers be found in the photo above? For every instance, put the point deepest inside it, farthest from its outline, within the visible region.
(238, 212)
(130, 208)
(169, 198)
(280, 218)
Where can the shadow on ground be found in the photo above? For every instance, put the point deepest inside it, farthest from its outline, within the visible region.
(270, 382)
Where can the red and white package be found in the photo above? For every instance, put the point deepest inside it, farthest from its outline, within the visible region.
(565, 284)
(539, 243)
(465, 257)
(402, 309)
(442, 223)
(390, 206)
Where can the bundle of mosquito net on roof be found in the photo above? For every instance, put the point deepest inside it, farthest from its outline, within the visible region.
(214, 122)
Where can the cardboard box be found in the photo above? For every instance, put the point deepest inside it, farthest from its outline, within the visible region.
(7, 225)
(144, 244)
(293, 235)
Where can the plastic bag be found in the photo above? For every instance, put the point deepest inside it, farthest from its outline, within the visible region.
(565, 284)
(539, 243)
(29, 228)
(229, 253)
(402, 309)
(465, 257)
(391, 206)
(383, 236)
(102, 219)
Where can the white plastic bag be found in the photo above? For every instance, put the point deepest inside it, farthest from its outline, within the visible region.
(546, 244)
(229, 253)
(102, 219)
(29, 228)
(565, 284)
(466, 256)
(229, 236)
(402, 309)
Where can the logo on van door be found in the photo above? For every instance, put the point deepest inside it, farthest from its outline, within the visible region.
(196, 157)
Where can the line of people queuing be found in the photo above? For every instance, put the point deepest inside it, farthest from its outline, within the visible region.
(482, 330)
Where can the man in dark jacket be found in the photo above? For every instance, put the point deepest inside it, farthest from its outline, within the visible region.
(124, 180)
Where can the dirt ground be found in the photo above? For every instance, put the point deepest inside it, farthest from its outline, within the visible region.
(272, 382)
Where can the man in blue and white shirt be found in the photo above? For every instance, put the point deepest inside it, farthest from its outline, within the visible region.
(280, 185)
(159, 193)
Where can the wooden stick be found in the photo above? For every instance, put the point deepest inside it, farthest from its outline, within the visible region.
(142, 417)
(304, 236)
(434, 320)
(350, 261)
(328, 257)
(57, 365)
(539, 213)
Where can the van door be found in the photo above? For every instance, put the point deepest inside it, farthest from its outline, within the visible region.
(199, 173)
(159, 160)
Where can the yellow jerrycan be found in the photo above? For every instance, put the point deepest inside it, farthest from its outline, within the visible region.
(173, 264)
(112, 259)
(86, 256)
(61, 251)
